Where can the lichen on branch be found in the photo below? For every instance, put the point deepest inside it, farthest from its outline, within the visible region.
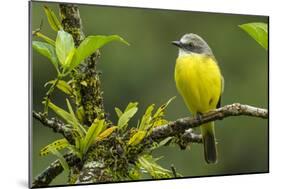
(87, 79)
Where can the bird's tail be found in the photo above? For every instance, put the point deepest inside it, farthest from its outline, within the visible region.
(209, 141)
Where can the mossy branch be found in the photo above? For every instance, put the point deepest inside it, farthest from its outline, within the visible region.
(90, 93)
(53, 170)
(55, 124)
(182, 126)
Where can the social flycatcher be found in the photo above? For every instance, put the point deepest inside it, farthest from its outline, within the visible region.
(200, 83)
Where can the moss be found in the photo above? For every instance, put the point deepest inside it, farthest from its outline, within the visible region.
(87, 85)
(71, 21)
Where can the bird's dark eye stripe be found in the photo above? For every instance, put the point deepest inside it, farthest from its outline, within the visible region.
(189, 45)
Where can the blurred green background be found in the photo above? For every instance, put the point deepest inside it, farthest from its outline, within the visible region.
(144, 72)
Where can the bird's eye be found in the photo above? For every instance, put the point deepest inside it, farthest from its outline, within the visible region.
(191, 44)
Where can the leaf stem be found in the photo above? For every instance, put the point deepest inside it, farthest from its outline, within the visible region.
(49, 93)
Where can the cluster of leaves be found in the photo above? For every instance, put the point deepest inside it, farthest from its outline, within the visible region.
(257, 31)
(65, 58)
(62, 52)
(85, 137)
(148, 120)
(146, 164)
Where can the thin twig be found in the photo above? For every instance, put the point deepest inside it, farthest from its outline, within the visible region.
(190, 137)
(49, 93)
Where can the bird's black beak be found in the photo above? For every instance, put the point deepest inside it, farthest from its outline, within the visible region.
(177, 43)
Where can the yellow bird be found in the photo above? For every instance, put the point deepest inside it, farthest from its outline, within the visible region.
(200, 83)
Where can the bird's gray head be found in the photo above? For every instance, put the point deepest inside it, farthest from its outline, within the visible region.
(192, 43)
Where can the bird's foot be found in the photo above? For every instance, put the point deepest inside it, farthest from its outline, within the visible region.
(198, 116)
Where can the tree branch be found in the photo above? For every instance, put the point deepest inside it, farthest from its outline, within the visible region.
(179, 126)
(53, 170)
(188, 137)
(56, 125)
(72, 22)
(183, 129)
(93, 172)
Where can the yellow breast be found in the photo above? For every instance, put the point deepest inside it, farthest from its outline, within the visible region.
(199, 81)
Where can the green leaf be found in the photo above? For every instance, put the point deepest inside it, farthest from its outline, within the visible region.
(69, 118)
(79, 131)
(257, 31)
(137, 138)
(80, 114)
(61, 85)
(162, 143)
(58, 145)
(94, 130)
(56, 20)
(64, 46)
(157, 118)
(84, 83)
(129, 112)
(131, 105)
(62, 113)
(134, 173)
(75, 151)
(69, 58)
(118, 112)
(76, 123)
(91, 44)
(52, 19)
(160, 111)
(61, 159)
(146, 118)
(46, 50)
(106, 133)
(126, 116)
(159, 122)
(70, 109)
(148, 163)
(78, 138)
(45, 38)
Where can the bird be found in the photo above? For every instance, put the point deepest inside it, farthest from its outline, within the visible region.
(199, 81)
